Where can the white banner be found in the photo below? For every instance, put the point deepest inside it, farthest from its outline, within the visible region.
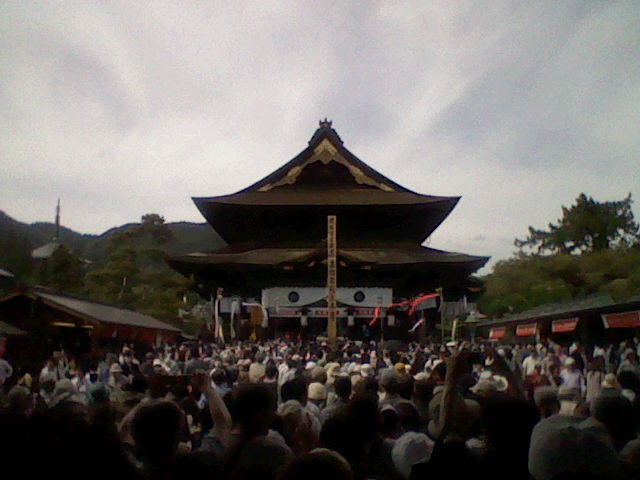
(278, 297)
(319, 312)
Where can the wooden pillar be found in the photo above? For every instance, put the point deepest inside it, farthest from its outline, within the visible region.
(332, 279)
(439, 292)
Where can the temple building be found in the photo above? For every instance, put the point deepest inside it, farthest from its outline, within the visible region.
(276, 252)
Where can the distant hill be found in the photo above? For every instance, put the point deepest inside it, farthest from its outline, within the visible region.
(188, 237)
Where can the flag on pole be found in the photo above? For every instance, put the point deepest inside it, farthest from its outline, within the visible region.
(376, 316)
(419, 299)
(416, 325)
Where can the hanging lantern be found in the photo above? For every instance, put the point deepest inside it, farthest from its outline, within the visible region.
(391, 320)
(351, 321)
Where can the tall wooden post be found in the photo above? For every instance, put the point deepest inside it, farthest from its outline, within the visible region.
(439, 291)
(332, 278)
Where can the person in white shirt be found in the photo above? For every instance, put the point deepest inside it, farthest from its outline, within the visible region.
(529, 364)
(572, 377)
(49, 370)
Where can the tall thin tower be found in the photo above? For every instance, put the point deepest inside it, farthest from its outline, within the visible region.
(57, 235)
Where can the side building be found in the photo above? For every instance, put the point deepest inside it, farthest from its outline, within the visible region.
(44, 320)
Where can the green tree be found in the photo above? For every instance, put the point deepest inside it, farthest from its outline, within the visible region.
(15, 255)
(528, 281)
(586, 226)
(136, 274)
(62, 271)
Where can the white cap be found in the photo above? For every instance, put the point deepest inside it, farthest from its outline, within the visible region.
(409, 449)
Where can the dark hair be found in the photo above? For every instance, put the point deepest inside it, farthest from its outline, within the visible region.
(342, 387)
(337, 435)
(219, 376)
(155, 428)
(232, 375)
(391, 386)
(252, 406)
(440, 370)
(318, 465)
(394, 357)
(408, 416)
(618, 415)
(389, 421)
(271, 370)
(158, 386)
(423, 391)
(192, 465)
(405, 388)
(629, 380)
(363, 416)
(138, 384)
(508, 425)
(294, 389)
(370, 387)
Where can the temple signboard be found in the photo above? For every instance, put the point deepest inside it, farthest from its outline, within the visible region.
(621, 320)
(497, 333)
(526, 330)
(564, 325)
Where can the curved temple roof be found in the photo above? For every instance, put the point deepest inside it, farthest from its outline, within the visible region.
(325, 174)
(375, 256)
(287, 185)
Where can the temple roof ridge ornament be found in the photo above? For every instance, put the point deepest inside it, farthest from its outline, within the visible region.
(325, 128)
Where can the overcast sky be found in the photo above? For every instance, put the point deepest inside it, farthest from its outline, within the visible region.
(125, 108)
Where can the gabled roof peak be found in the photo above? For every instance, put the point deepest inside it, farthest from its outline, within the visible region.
(325, 130)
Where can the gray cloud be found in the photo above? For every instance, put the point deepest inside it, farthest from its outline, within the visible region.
(122, 109)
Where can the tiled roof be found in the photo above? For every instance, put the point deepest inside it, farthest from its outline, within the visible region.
(6, 273)
(378, 256)
(591, 302)
(308, 196)
(46, 250)
(102, 312)
(7, 329)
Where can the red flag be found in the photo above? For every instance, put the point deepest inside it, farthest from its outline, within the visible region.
(376, 316)
(419, 299)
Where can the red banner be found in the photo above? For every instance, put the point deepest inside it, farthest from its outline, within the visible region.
(497, 332)
(421, 298)
(526, 330)
(564, 325)
(376, 316)
(621, 320)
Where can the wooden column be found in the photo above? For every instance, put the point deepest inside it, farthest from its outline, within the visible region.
(332, 278)
(439, 292)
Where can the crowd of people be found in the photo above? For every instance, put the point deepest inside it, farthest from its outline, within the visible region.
(288, 410)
